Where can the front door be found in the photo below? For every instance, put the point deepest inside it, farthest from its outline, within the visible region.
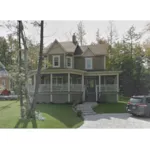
(91, 85)
(90, 89)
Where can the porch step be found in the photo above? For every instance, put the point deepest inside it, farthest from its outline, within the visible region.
(86, 108)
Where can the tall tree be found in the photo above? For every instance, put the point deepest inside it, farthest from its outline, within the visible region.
(99, 39)
(26, 66)
(20, 68)
(4, 52)
(111, 37)
(38, 75)
(131, 38)
(81, 33)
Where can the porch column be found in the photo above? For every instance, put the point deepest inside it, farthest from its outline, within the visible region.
(68, 87)
(34, 79)
(99, 83)
(117, 87)
(83, 90)
(51, 87)
(99, 89)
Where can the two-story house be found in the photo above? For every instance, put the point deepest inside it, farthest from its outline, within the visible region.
(76, 72)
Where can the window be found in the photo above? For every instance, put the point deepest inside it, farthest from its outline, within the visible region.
(69, 62)
(88, 63)
(56, 61)
(136, 100)
(78, 81)
(46, 80)
(3, 82)
(57, 80)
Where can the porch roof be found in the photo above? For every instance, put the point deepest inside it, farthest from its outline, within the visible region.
(75, 71)
(94, 73)
(48, 71)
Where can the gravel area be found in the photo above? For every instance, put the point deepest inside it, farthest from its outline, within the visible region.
(123, 120)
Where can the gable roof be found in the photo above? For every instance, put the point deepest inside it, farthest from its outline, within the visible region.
(67, 46)
(70, 47)
(88, 52)
(99, 49)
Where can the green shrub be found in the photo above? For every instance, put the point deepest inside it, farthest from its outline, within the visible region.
(79, 113)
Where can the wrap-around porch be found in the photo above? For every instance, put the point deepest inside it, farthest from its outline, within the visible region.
(67, 87)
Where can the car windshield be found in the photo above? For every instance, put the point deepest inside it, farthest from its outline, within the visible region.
(136, 100)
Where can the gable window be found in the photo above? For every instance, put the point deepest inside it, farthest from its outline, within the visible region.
(69, 62)
(88, 63)
(56, 61)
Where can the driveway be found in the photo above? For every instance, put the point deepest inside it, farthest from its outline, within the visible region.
(123, 120)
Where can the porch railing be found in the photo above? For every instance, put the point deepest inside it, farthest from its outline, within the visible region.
(61, 87)
(76, 87)
(107, 88)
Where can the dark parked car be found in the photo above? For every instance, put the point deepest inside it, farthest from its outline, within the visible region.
(139, 105)
(11, 96)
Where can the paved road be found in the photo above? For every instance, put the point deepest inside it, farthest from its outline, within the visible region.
(115, 121)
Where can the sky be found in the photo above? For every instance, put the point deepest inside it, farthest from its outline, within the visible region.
(62, 30)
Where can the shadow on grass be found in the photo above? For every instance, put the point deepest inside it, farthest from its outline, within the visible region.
(7, 106)
(24, 123)
(61, 112)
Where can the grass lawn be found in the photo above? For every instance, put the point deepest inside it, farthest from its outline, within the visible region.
(119, 107)
(57, 116)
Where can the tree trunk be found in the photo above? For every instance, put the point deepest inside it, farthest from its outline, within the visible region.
(26, 67)
(38, 75)
(20, 65)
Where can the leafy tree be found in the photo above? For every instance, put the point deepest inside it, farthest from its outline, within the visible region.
(111, 36)
(81, 33)
(4, 51)
(99, 39)
(131, 38)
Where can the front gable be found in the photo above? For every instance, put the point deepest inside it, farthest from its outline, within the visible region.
(78, 51)
(88, 53)
(56, 48)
